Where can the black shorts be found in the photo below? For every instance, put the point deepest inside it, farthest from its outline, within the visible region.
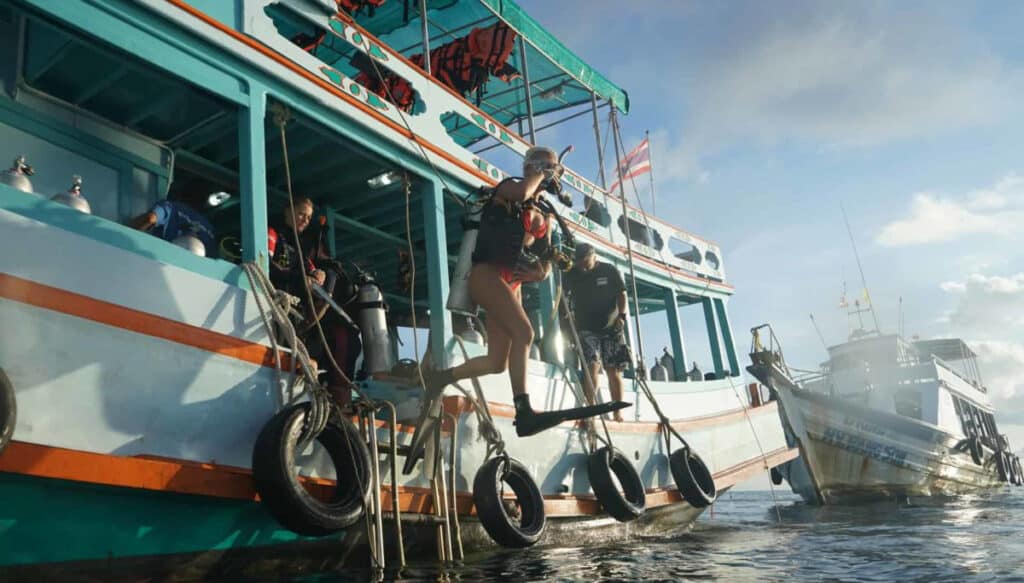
(607, 348)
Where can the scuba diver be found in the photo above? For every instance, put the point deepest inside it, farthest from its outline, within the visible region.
(514, 246)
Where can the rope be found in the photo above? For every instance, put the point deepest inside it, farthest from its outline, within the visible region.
(746, 410)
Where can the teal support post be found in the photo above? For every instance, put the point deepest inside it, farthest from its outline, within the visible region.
(437, 270)
(253, 177)
(730, 346)
(332, 233)
(675, 332)
(716, 351)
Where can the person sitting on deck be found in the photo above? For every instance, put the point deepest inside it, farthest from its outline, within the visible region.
(510, 228)
(598, 297)
(178, 222)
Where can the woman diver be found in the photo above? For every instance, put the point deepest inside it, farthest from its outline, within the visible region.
(514, 246)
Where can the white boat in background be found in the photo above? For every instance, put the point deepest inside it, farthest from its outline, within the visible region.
(884, 417)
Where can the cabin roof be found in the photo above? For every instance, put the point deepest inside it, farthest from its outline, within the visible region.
(559, 79)
(945, 348)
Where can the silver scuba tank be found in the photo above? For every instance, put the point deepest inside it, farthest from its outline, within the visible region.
(459, 300)
(73, 197)
(669, 363)
(17, 175)
(470, 334)
(191, 243)
(659, 372)
(373, 327)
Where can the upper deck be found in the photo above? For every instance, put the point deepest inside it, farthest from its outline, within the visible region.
(459, 135)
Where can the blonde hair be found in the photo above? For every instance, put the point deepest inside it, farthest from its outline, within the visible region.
(541, 154)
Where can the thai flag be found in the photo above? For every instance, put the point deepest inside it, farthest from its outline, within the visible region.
(635, 163)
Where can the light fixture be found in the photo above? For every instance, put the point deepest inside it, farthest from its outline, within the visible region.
(554, 92)
(381, 180)
(218, 198)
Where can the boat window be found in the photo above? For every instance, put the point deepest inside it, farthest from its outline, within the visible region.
(685, 251)
(712, 259)
(639, 232)
(908, 403)
(133, 133)
(596, 211)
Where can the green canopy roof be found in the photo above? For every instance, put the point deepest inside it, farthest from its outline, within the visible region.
(558, 78)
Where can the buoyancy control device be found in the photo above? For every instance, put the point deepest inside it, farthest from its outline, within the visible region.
(371, 316)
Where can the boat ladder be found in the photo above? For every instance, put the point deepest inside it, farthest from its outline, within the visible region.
(444, 503)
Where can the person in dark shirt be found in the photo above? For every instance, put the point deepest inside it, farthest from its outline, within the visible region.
(598, 297)
(286, 270)
(171, 219)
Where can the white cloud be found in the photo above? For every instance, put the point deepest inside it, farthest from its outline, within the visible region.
(828, 74)
(935, 217)
(989, 314)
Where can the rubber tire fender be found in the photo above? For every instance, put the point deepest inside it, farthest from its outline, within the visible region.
(776, 476)
(693, 478)
(1003, 465)
(604, 467)
(977, 454)
(490, 507)
(8, 410)
(277, 477)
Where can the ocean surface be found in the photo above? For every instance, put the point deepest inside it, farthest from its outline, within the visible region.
(755, 536)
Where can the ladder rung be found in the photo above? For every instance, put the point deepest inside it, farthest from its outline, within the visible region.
(414, 518)
(385, 449)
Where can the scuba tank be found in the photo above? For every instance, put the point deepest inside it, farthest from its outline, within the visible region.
(17, 175)
(669, 363)
(371, 316)
(470, 333)
(191, 243)
(458, 294)
(659, 372)
(552, 346)
(73, 197)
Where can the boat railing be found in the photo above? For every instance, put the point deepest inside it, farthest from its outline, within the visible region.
(431, 138)
(946, 373)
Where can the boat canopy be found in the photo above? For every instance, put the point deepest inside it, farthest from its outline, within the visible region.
(558, 78)
(949, 349)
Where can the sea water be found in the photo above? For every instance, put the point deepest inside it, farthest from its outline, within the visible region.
(765, 536)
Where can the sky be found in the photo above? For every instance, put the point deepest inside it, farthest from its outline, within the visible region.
(766, 117)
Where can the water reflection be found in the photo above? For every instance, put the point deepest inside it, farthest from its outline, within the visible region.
(966, 539)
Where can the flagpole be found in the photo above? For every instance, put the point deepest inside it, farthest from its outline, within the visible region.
(650, 162)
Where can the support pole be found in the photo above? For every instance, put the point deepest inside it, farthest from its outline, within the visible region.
(716, 350)
(526, 85)
(597, 140)
(639, 347)
(332, 233)
(437, 270)
(730, 346)
(253, 177)
(426, 36)
(675, 332)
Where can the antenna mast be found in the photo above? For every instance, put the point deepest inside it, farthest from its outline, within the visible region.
(863, 280)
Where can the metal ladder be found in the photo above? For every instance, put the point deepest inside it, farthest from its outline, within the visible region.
(445, 517)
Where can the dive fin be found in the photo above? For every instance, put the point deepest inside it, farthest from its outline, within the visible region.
(531, 423)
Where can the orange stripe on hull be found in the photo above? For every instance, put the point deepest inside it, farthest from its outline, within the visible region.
(73, 304)
(189, 477)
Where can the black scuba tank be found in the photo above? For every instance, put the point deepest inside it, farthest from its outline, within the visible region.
(501, 233)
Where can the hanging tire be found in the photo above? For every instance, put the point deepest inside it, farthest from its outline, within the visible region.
(606, 466)
(508, 531)
(776, 476)
(977, 454)
(8, 410)
(1003, 465)
(277, 477)
(693, 478)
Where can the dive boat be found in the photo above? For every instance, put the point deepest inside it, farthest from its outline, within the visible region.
(885, 418)
(155, 419)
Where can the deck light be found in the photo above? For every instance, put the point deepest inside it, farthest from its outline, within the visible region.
(381, 180)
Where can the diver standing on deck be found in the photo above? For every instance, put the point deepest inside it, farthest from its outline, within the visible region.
(598, 297)
(514, 236)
